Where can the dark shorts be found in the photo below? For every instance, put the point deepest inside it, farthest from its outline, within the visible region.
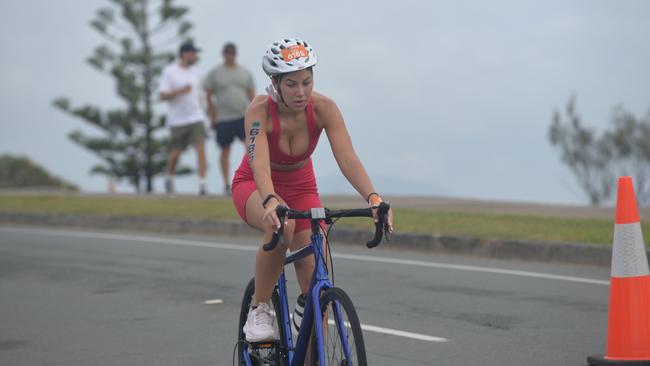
(228, 130)
(190, 134)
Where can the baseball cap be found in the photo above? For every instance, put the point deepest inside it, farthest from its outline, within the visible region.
(188, 47)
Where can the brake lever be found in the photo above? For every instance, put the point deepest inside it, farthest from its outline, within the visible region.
(387, 233)
(281, 211)
(384, 208)
(381, 228)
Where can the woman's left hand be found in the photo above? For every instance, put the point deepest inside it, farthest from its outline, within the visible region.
(375, 200)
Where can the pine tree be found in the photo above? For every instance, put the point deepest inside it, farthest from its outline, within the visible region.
(138, 35)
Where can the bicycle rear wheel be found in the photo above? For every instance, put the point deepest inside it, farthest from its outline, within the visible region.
(243, 314)
(342, 339)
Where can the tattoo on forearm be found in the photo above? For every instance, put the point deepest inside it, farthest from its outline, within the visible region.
(255, 130)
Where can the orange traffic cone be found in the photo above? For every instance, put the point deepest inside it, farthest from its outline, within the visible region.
(628, 333)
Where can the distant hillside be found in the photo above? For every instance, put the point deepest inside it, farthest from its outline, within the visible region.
(20, 172)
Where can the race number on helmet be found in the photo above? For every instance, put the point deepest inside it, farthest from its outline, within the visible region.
(288, 55)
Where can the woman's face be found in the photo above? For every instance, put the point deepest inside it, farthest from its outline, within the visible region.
(296, 88)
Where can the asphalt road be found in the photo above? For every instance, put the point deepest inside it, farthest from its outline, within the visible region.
(89, 298)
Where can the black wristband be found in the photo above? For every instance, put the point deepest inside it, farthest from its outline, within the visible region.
(268, 198)
(372, 194)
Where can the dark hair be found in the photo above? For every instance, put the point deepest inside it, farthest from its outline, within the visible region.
(278, 77)
(229, 46)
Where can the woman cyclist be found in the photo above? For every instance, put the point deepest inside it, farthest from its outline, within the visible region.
(282, 130)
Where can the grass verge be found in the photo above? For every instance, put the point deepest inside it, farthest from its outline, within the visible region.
(484, 226)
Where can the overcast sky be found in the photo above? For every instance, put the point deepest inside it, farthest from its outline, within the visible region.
(441, 98)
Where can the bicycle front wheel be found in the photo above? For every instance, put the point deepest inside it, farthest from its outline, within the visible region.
(342, 337)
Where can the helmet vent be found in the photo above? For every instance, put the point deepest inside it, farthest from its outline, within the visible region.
(277, 60)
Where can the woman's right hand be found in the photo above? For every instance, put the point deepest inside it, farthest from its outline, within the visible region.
(271, 216)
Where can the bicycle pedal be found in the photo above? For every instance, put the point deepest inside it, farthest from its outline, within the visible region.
(265, 352)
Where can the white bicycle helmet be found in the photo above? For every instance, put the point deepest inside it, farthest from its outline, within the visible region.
(288, 55)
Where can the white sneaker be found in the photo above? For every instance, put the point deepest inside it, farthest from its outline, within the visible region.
(259, 324)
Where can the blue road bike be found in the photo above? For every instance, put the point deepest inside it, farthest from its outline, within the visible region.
(330, 332)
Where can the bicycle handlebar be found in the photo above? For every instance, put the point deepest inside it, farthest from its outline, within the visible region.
(381, 228)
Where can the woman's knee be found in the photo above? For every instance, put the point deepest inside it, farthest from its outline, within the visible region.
(305, 265)
(300, 240)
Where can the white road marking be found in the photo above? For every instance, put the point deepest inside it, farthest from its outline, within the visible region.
(470, 268)
(213, 302)
(398, 333)
(252, 248)
(135, 238)
(389, 331)
(243, 247)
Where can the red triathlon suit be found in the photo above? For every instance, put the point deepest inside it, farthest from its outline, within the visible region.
(296, 187)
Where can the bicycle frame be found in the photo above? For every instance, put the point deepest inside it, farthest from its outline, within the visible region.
(312, 316)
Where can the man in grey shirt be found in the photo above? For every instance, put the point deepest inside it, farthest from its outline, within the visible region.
(229, 89)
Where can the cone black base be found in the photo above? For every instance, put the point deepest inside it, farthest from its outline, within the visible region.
(602, 361)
